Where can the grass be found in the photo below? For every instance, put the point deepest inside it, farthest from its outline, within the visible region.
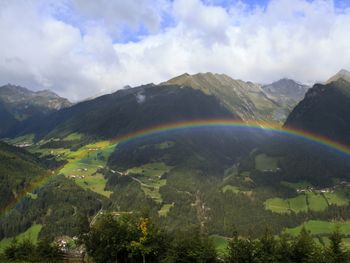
(220, 243)
(32, 196)
(28, 138)
(165, 209)
(150, 169)
(233, 189)
(337, 198)
(309, 201)
(346, 243)
(84, 163)
(316, 201)
(319, 227)
(31, 233)
(298, 204)
(264, 162)
(150, 176)
(95, 183)
(60, 153)
(74, 137)
(277, 205)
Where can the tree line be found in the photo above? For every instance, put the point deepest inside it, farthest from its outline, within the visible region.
(128, 238)
(131, 238)
(26, 251)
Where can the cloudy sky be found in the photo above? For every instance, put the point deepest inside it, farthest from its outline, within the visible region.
(81, 48)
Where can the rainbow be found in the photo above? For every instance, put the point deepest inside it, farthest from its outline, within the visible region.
(233, 123)
(195, 124)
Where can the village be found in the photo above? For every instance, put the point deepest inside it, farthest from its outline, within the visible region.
(343, 184)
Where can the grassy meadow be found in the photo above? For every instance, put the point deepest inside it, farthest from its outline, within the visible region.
(31, 233)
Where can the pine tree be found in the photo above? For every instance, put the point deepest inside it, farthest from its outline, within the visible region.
(335, 252)
(241, 251)
(48, 252)
(303, 247)
(266, 248)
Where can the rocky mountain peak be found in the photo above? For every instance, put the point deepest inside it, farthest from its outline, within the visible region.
(342, 74)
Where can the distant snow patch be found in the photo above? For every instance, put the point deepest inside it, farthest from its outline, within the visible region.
(140, 98)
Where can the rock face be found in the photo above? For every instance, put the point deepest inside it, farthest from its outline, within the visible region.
(286, 92)
(18, 104)
(23, 103)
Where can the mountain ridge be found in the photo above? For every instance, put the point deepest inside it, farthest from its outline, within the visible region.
(343, 73)
(243, 98)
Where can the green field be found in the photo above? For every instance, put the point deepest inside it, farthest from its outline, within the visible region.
(337, 198)
(301, 203)
(317, 202)
(264, 162)
(298, 204)
(318, 227)
(220, 243)
(165, 209)
(277, 205)
(95, 183)
(32, 196)
(150, 178)
(309, 201)
(83, 165)
(233, 189)
(28, 138)
(73, 137)
(32, 233)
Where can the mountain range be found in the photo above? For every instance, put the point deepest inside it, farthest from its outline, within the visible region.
(250, 101)
(241, 100)
(18, 104)
(220, 179)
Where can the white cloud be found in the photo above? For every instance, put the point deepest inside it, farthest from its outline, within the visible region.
(304, 40)
(78, 57)
(115, 15)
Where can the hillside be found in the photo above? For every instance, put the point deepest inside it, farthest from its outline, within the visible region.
(55, 202)
(125, 111)
(325, 110)
(18, 169)
(219, 179)
(245, 99)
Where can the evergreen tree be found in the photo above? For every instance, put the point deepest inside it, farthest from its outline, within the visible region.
(241, 251)
(108, 239)
(335, 253)
(10, 251)
(303, 247)
(266, 249)
(48, 252)
(191, 246)
(284, 249)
